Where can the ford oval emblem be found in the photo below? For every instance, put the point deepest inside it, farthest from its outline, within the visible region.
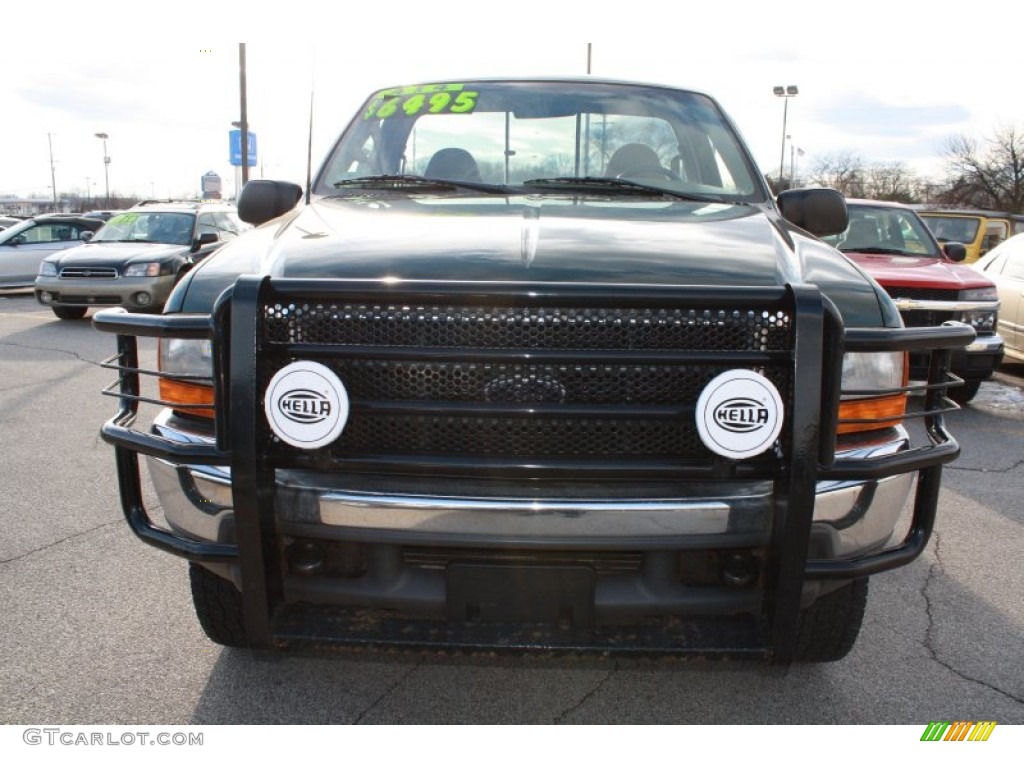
(525, 389)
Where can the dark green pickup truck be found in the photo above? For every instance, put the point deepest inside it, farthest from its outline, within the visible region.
(535, 365)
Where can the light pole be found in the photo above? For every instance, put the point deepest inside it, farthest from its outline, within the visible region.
(106, 169)
(785, 93)
(244, 122)
(53, 172)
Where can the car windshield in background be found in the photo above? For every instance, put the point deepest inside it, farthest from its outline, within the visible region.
(541, 136)
(14, 230)
(171, 228)
(959, 229)
(885, 230)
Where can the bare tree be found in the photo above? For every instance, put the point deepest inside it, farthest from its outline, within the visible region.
(842, 171)
(892, 181)
(986, 174)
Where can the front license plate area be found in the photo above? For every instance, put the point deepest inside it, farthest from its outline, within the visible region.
(550, 595)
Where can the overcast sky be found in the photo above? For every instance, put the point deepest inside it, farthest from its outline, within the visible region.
(890, 81)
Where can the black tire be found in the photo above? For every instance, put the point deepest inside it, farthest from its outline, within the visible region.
(830, 625)
(964, 394)
(218, 607)
(70, 313)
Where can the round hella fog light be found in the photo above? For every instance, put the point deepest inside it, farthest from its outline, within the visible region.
(142, 298)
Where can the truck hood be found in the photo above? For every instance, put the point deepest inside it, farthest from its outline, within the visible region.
(534, 239)
(919, 271)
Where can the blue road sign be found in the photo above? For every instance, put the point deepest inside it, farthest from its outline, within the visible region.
(235, 143)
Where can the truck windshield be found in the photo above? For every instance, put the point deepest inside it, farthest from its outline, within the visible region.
(505, 134)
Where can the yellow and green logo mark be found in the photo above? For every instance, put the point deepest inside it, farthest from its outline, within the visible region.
(959, 730)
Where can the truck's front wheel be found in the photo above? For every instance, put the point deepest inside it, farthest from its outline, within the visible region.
(830, 625)
(218, 607)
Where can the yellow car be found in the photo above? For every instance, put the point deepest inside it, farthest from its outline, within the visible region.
(979, 231)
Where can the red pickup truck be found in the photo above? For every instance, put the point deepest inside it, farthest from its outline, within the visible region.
(893, 245)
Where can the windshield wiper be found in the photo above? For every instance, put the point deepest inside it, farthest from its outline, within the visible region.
(405, 179)
(620, 185)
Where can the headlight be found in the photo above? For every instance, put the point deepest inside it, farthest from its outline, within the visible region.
(870, 378)
(47, 269)
(980, 294)
(872, 371)
(982, 321)
(187, 381)
(146, 269)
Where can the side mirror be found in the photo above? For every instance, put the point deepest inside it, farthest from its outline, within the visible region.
(261, 201)
(955, 251)
(204, 239)
(820, 211)
(86, 236)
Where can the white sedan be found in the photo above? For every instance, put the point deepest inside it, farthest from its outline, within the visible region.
(25, 244)
(1004, 266)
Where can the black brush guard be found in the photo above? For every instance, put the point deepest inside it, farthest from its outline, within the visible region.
(807, 454)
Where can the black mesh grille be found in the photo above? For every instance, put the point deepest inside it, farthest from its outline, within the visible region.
(602, 384)
(528, 328)
(410, 399)
(519, 436)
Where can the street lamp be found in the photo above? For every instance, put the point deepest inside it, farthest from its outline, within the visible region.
(106, 169)
(785, 93)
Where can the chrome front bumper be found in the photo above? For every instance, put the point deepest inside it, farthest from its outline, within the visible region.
(850, 517)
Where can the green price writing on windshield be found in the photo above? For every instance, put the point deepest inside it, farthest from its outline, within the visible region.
(414, 100)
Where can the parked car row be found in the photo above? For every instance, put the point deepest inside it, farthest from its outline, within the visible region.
(128, 258)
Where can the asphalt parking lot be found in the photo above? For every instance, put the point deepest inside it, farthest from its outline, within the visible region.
(99, 628)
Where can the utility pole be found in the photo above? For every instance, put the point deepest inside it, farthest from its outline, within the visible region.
(244, 127)
(589, 45)
(53, 173)
(102, 136)
(785, 93)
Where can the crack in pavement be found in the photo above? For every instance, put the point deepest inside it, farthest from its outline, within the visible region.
(45, 547)
(50, 349)
(987, 470)
(934, 571)
(387, 693)
(560, 717)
